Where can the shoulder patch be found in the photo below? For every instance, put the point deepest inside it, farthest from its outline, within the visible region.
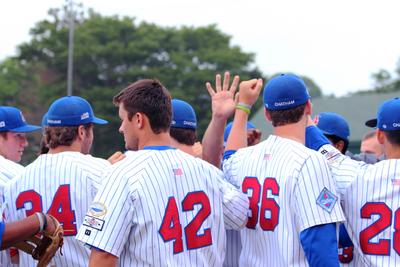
(327, 200)
(97, 209)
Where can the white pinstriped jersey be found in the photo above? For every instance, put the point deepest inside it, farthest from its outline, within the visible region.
(63, 185)
(371, 201)
(170, 211)
(8, 170)
(290, 189)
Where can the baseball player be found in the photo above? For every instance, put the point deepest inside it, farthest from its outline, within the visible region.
(293, 202)
(370, 193)
(337, 131)
(160, 206)
(183, 128)
(13, 129)
(64, 181)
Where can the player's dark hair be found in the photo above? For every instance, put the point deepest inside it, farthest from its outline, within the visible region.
(393, 137)
(62, 136)
(43, 147)
(183, 136)
(287, 116)
(369, 135)
(152, 99)
(335, 139)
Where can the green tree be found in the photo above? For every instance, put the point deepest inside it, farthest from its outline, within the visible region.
(111, 52)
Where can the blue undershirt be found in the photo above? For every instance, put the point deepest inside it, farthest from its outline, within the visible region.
(158, 148)
(320, 245)
(315, 139)
(2, 228)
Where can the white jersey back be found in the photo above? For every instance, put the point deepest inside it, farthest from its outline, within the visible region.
(290, 189)
(63, 185)
(8, 170)
(164, 208)
(371, 201)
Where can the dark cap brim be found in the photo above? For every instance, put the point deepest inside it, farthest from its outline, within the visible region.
(371, 123)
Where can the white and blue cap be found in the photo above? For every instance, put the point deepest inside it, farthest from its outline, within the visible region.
(388, 117)
(183, 115)
(331, 123)
(12, 120)
(71, 111)
(285, 91)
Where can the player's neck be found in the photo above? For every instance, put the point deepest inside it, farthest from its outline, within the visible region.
(392, 152)
(294, 131)
(185, 148)
(74, 147)
(151, 139)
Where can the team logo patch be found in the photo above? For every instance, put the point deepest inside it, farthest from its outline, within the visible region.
(85, 116)
(93, 222)
(97, 209)
(327, 200)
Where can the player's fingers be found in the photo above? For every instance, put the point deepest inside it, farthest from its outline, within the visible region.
(218, 83)
(210, 89)
(227, 78)
(237, 98)
(117, 156)
(259, 85)
(234, 84)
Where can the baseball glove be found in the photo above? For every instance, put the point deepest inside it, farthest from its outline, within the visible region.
(43, 246)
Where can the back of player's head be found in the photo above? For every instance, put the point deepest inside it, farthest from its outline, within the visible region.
(285, 97)
(12, 120)
(71, 111)
(152, 99)
(184, 122)
(331, 123)
(388, 120)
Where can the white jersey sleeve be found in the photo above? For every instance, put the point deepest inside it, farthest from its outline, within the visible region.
(235, 206)
(9, 170)
(107, 223)
(316, 201)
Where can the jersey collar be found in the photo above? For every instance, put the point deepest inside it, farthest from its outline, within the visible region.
(158, 148)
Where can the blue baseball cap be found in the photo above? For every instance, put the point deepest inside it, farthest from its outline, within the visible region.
(44, 120)
(388, 117)
(12, 120)
(333, 124)
(183, 115)
(71, 111)
(285, 91)
(228, 129)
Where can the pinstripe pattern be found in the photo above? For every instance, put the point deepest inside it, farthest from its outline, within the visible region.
(8, 171)
(136, 197)
(359, 183)
(233, 248)
(83, 175)
(301, 175)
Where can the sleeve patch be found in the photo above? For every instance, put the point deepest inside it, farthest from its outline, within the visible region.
(327, 200)
(93, 222)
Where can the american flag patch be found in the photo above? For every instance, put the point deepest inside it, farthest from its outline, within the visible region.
(177, 171)
(395, 181)
(327, 200)
(267, 156)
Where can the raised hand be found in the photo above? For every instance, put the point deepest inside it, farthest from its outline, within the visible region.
(249, 91)
(222, 98)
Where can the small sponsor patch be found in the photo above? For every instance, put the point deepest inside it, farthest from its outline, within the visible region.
(327, 200)
(396, 182)
(93, 222)
(88, 232)
(97, 209)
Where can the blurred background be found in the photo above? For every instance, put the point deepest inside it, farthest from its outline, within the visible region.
(347, 52)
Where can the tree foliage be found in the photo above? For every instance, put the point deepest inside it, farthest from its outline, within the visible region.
(110, 52)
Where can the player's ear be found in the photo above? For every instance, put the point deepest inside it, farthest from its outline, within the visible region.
(380, 135)
(139, 120)
(308, 109)
(267, 115)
